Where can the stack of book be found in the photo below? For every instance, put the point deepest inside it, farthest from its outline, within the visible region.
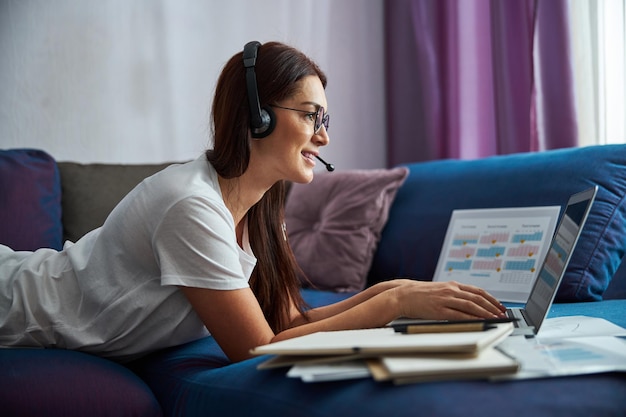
(405, 352)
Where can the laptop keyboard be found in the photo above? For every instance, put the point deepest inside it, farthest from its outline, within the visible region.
(517, 314)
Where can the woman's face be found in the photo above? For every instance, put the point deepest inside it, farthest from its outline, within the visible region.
(289, 152)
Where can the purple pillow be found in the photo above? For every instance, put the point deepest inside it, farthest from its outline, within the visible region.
(30, 200)
(335, 222)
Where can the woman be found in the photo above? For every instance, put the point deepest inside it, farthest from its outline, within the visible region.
(200, 247)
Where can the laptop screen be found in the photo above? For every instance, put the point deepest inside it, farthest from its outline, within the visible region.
(558, 256)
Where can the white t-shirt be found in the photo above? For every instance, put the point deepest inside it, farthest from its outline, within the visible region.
(114, 292)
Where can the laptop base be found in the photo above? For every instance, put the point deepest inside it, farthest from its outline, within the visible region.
(521, 326)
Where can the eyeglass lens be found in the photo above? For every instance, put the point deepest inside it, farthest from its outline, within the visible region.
(321, 118)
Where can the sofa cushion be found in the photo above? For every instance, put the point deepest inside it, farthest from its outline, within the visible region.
(30, 200)
(617, 286)
(334, 224)
(414, 234)
(49, 382)
(196, 380)
(91, 191)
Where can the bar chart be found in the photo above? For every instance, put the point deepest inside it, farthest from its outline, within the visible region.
(497, 248)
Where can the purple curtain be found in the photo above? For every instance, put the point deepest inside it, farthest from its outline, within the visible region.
(460, 79)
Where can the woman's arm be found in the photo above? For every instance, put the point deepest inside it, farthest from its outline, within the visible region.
(236, 321)
(320, 313)
(417, 299)
(422, 299)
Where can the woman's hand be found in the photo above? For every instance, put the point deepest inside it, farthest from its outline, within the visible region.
(445, 300)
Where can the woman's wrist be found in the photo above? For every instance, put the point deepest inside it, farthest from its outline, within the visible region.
(394, 303)
(388, 285)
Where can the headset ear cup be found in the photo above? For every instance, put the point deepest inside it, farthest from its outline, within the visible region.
(269, 123)
(272, 119)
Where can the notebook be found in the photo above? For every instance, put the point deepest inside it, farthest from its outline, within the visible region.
(385, 340)
(489, 362)
(531, 316)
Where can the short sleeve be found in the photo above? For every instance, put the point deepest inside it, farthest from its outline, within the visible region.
(195, 246)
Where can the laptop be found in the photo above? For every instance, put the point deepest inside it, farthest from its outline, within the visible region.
(531, 316)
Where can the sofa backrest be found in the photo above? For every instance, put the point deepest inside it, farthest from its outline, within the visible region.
(91, 191)
(418, 219)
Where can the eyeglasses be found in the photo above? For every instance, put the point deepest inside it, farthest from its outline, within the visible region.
(321, 117)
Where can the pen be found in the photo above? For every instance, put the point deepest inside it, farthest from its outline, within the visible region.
(439, 326)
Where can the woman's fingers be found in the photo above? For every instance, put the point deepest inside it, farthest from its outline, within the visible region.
(484, 299)
(474, 307)
(476, 301)
(448, 300)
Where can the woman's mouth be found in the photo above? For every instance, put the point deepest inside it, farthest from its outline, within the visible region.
(309, 156)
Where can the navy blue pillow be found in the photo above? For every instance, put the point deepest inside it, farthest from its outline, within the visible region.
(30, 200)
(418, 219)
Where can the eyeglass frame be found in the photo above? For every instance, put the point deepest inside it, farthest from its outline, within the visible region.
(318, 122)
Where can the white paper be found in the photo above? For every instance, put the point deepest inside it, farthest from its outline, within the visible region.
(330, 372)
(578, 326)
(561, 357)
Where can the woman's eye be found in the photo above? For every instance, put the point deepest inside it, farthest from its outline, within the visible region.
(311, 116)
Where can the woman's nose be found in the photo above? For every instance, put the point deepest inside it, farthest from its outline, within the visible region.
(321, 137)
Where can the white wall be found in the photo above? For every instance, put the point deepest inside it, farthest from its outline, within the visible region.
(131, 81)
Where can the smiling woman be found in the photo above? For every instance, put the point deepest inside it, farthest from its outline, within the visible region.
(201, 248)
(296, 133)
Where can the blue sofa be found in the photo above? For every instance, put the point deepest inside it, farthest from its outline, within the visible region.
(197, 379)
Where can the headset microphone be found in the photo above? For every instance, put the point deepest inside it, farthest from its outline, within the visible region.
(329, 167)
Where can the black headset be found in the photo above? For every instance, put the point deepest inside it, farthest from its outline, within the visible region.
(262, 119)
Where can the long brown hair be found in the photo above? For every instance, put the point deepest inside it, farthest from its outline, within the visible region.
(279, 67)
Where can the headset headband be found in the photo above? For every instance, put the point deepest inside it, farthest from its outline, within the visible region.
(261, 120)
